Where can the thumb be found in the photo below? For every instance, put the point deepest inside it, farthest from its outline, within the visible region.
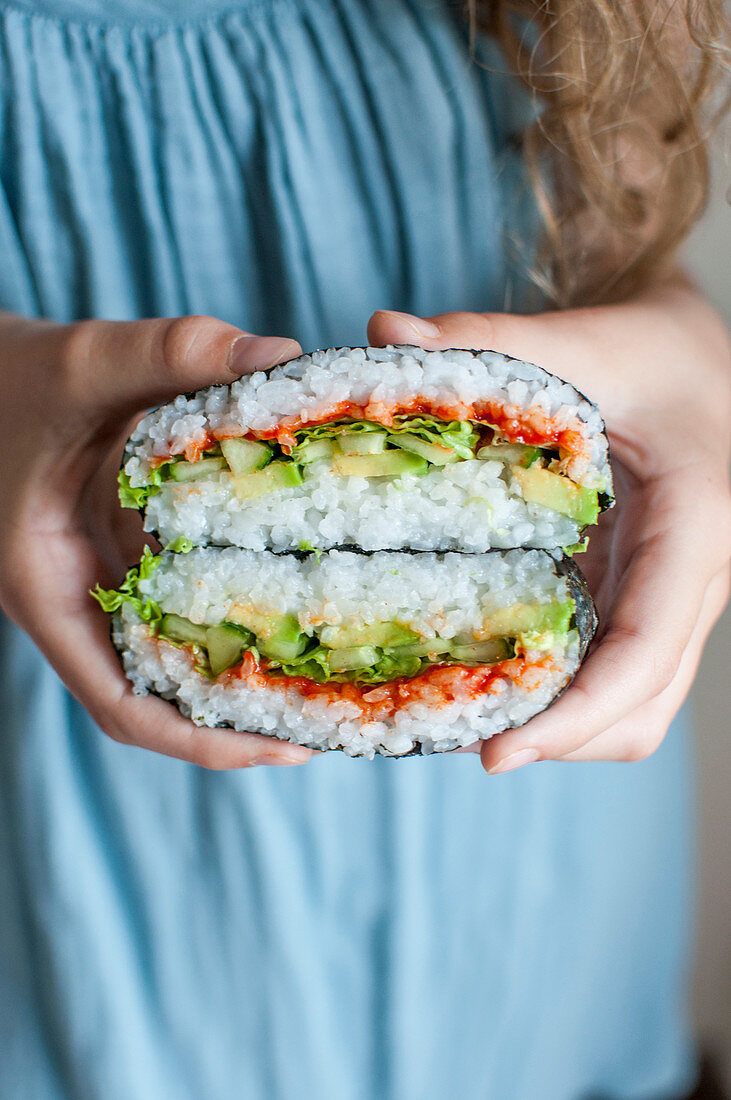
(550, 339)
(120, 367)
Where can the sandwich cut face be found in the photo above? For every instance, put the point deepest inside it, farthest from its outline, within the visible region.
(350, 650)
(380, 448)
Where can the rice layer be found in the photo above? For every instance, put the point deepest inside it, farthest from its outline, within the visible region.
(467, 506)
(446, 594)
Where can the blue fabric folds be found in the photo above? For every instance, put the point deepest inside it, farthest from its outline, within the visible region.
(351, 930)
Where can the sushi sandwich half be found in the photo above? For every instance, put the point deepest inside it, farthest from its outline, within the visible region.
(381, 448)
(385, 652)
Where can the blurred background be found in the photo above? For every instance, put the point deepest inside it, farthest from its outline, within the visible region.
(708, 257)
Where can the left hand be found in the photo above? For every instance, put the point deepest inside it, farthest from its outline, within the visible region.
(658, 564)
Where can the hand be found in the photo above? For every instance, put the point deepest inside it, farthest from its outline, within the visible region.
(71, 394)
(658, 564)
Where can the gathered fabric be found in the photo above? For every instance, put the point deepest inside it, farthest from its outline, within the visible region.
(351, 929)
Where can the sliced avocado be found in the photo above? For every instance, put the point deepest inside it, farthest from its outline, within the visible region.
(388, 464)
(278, 475)
(177, 629)
(362, 443)
(313, 450)
(432, 452)
(195, 471)
(557, 492)
(245, 455)
(530, 618)
(484, 653)
(226, 644)
(343, 660)
(354, 634)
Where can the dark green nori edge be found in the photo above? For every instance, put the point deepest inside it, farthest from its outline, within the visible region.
(587, 622)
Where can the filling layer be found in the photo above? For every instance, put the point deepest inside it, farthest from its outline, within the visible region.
(352, 649)
(409, 445)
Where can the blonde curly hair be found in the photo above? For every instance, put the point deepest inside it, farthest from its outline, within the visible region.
(618, 153)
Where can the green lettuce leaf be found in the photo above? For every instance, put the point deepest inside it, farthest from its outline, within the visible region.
(461, 435)
(137, 497)
(337, 427)
(180, 545)
(111, 599)
(313, 664)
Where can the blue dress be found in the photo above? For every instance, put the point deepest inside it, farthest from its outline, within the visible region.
(348, 930)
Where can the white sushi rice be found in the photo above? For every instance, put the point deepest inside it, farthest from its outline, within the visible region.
(447, 594)
(472, 505)
(466, 506)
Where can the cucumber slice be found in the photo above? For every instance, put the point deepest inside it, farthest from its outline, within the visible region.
(196, 471)
(434, 647)
(483, 653)
(245, 455)
(362, 443)
(285, 641)
(344, 660)
(519, 453)
(389, 635)
(432, 452)
(278, 475)
(388, 464)
(313, 450)
(557, 492)
(177, 629)
(225, 644)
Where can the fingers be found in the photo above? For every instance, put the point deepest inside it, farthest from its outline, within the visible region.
(475, 331)
(641, 733)
(84, 659)
(658, 605)
(123, 366)
(74, 635)
(537, 338)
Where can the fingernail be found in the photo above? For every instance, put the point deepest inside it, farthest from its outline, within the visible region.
(250, 353)
(515, 760)
(284, 757)
(424, 330)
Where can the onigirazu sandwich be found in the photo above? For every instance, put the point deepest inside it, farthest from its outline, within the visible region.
(386, 652)
(365, 548)
(381, 448)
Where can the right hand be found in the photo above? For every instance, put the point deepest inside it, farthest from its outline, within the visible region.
(71, 394)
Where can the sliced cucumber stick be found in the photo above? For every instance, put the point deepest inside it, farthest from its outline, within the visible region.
(285, 641)
(362, 443)
(313, 450)
(245, 455)
(177, 629)
(196, 471)
(356, 634)
(344, 660)
(225, 645)
(496, 649)
(432, 452)
(519, 453)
